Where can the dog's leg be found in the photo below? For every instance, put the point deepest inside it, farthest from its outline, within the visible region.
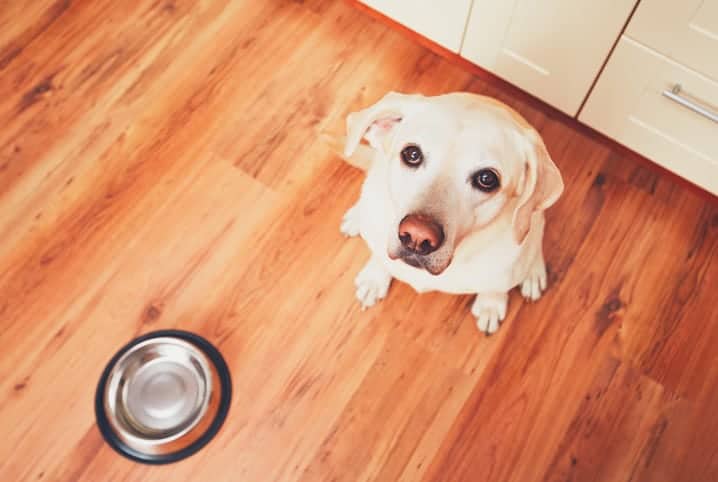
(535, 282)
(489, 310)
(372, 283)
(351, 222)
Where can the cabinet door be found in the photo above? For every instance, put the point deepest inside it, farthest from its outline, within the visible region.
(552, 49)
(441, 21)
(684, 31)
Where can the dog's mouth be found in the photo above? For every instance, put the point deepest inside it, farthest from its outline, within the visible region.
(414, 261)
(420, 262)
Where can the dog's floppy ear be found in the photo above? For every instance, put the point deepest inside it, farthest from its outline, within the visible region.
(374, 123)
(540, 185)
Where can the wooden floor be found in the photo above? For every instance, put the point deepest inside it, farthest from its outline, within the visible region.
(168, 164)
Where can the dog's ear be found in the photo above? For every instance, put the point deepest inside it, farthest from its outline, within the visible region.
(374, 123)
(540, 185)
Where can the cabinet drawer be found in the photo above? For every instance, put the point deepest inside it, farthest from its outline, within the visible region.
(685, 31)
(442, 22)
(629, 104)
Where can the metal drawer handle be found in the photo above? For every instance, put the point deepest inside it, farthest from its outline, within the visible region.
(675, 95)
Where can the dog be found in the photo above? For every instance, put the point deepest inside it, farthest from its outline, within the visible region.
(453, 200)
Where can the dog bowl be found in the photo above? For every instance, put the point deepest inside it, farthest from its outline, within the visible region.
(163, 397)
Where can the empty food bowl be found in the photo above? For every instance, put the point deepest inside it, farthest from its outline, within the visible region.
(163, 397)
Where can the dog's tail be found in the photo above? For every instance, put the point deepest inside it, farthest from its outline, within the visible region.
(361, 158)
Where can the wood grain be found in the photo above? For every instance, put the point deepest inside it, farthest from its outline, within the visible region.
(166, 164)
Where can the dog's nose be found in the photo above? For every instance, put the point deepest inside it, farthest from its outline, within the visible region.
(420, 234)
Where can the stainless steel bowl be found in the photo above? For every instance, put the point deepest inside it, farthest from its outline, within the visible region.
(163, 396)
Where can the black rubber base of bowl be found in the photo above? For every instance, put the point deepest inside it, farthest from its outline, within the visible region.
(225, 397)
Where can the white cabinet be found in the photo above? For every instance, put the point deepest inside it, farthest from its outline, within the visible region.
(687, 31)
(636, 102)
(440, 21)
(552, 49)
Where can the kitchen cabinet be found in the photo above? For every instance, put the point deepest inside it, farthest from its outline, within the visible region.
(441, 21)
(552, 49)
(686, 32)
(658, 94)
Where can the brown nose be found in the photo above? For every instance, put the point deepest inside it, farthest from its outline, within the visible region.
(420, 234)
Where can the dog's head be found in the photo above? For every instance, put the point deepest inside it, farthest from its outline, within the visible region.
(453, 165)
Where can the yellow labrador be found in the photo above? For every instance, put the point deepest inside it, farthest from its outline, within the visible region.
(453, 199)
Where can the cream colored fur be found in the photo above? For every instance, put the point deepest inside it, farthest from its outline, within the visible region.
(493, 240)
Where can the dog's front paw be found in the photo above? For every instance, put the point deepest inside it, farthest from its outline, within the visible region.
(350, 222)
(372, 283)
(489, 310)
(535, 282)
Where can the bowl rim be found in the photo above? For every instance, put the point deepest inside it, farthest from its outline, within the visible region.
(225, 392)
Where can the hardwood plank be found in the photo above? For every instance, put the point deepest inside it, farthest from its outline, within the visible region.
(598, 444)
(397, 429)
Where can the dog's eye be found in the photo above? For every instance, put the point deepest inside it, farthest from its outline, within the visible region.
(486, 180)
(412, 155)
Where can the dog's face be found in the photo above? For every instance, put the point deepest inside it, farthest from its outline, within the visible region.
(448, 175)
(453, 164)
